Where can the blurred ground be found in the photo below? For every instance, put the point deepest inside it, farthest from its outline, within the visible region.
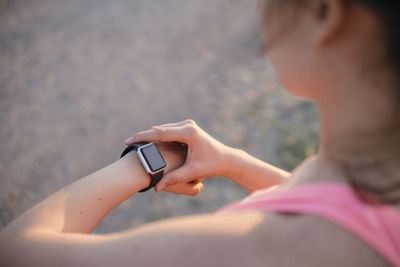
(78, 77)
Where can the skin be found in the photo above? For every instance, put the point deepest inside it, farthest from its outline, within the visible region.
(318, 59)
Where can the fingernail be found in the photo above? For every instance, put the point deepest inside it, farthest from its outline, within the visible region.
(130, 139)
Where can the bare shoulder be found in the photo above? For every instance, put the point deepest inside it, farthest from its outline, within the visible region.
(253, 238)
(307, 240)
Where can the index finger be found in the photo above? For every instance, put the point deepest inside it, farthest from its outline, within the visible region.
(160, 134)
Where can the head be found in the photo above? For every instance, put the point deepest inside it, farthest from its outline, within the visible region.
(312, 42)
(345, 56)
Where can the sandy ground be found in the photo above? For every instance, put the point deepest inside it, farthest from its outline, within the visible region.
(78, 77)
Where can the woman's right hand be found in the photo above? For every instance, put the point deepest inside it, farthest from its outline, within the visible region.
(206, 156)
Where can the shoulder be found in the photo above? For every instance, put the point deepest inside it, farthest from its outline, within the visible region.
(307, 240)
(252, 238)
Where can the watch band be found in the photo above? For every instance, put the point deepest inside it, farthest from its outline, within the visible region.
(155, 178)
(132, 147)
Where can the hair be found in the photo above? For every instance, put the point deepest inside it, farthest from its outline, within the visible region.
(387, 188)
(388, 12)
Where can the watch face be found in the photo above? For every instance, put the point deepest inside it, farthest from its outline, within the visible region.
(153, 157)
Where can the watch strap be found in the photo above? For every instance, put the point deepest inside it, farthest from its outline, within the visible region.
(154, 180)
(132, 147)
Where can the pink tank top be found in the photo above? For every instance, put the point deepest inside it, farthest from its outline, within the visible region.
(377, 224)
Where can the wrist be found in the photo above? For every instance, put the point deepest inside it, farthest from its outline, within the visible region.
(137, 175)
(232, 158)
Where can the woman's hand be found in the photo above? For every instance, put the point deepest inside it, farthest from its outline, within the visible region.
(205, 156)
(175, 156)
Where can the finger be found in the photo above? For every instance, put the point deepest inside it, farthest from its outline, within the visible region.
(160, 134)
(185, 188)
(180, 175)
(143, 136)
(174, 124)
(196, 189)
(196, 181)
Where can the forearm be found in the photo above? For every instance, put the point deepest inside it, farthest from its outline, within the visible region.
(80, 206)
(251, 173)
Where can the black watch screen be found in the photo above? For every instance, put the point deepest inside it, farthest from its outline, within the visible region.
(153, 157)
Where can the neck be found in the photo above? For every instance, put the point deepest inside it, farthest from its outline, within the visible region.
(360, 134)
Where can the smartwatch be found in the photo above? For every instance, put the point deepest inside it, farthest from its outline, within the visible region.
(151, 159)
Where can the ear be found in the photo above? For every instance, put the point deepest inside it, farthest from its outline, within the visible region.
(331, 18)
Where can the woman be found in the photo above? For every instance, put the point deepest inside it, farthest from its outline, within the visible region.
(338, 208)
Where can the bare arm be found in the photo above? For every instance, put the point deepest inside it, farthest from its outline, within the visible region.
(252, 173)
(80, 206)
(56, 232)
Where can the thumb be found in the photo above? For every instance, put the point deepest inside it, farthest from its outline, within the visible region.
(179, 175)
